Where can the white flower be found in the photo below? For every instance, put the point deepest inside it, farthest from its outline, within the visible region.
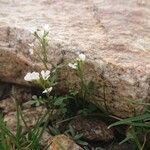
(31, 45)
(48, 90)
(40, 33)
(45, 74)
(74, 66)
(32, 76)
(46, 28)
(82, 57)
(31, 51)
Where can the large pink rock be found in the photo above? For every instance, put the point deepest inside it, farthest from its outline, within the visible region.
(113, 34)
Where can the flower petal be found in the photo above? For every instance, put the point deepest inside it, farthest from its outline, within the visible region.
(47, 90)
(82, 57)
(74, 66)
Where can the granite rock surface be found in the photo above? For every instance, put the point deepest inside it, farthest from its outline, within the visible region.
(114, 35)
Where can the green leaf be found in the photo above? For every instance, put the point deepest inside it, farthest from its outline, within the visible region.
(54, 130)
(72, 131)
(100, 148)
(78, 136)
(31, 102)
(82, 143)
(64, 110)
(130, 120)
(136, 124)
(59, 101)
(34, 97)
(125, 140)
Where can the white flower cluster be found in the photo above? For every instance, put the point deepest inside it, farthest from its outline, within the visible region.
(45, 74)
(44, 30)
(81, 57)
(34, 76)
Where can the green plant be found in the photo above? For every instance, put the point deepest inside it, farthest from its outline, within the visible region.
(35, 101)
(46, 80)
(59, 109)
(20, 140)
(42, 48)
(138, 126)
(78, 65)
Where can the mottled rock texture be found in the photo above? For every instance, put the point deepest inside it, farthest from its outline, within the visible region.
(113, 34)
(92, 129)
(31, 117)
(60, 142)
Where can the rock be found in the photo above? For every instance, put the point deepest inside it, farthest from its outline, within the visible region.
(60, 142)
(21, 95)
(7, 105)
(114, 35)
(93, 130)
(124, 146)
(31, 116)
(45, 138)
(15, 67)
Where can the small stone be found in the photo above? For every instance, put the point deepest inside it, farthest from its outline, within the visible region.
(31, 116)
(21, 95)
(61, 142)
(7, 105)
(92, 129)
(45, 138)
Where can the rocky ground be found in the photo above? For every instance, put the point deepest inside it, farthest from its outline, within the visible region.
(94, 131)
